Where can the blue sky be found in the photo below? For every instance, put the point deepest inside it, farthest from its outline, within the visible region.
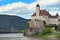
(5, 2)
(25, 8)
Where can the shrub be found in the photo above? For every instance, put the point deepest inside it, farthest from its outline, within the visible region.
(47, 30)
(27, 25)
(37, 34)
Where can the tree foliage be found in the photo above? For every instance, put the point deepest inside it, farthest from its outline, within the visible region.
(47, 30)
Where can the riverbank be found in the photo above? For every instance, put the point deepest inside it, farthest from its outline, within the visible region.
(19, 36)
(7, 31)
(12, 35)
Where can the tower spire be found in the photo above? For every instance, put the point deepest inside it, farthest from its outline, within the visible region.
(37, 9)
(38, 3)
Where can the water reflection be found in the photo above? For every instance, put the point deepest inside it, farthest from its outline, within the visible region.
(18, 36)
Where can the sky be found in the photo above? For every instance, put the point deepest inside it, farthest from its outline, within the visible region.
(25, 8)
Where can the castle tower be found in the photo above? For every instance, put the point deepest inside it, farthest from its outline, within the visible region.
(37, 10)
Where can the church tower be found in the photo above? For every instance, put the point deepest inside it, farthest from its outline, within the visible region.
(37, 9)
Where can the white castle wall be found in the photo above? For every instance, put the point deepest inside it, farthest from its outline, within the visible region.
(46, 19)
(38, 17)
(53, 21)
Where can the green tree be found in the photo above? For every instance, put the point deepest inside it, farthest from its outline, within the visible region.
(47, 30)
(27, 25)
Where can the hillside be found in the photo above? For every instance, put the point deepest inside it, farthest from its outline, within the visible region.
(8, 22)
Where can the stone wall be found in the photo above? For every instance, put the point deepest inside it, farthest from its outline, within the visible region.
(35, 26)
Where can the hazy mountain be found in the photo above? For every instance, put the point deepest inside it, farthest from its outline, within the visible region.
(7, 22)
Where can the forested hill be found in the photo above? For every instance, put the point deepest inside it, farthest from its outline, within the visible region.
(7, 22)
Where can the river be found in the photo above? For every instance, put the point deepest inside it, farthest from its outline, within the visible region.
(17, 36)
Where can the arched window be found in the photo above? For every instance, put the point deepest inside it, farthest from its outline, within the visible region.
(44, 22)
(58, 19)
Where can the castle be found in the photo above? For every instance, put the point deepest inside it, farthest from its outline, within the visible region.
(39, 19)
(45, 16)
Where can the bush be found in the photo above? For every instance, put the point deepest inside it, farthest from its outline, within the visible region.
(47, 30)
(58, 28)
(27, 25)
(37, 34)
(52, 25)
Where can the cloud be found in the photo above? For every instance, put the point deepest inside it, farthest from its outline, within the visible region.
(54, 13)
(18, 8)
(26, 10)
(49, 2)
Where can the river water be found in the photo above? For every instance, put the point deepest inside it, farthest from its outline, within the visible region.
(16, 36)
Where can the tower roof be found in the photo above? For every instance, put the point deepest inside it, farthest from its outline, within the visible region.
(57, 14)
(37, 5)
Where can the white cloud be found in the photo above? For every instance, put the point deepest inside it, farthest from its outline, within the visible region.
(54, 13)
(27, 6)
(55, 8)
(23, 9)
(11, 6)
(49, 2)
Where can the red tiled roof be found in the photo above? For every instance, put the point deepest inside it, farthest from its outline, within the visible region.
(42, 12)
(55, 16)
(46, 13)
(52, 16)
